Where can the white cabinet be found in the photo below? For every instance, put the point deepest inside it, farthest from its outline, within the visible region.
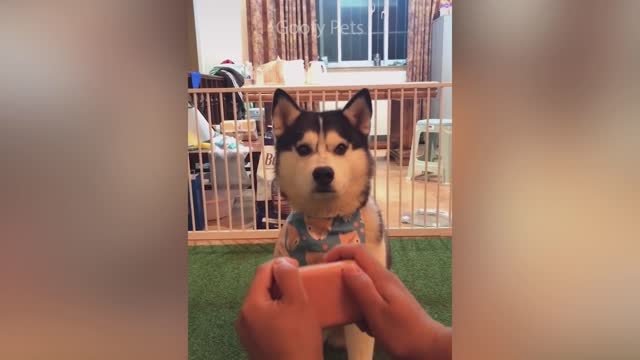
(441, 63)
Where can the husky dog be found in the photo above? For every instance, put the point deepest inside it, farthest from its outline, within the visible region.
(324, 169)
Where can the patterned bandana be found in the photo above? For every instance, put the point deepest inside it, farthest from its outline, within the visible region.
(307, 239)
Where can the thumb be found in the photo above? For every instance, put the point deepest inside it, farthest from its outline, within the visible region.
(288, 280)
(364, 293)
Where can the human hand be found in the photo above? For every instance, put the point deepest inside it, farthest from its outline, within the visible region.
(284, 327)
(392, 315)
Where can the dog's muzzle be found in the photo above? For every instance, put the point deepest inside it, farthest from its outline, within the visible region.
(323, 176)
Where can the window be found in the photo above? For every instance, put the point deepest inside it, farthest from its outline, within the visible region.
(353, 32)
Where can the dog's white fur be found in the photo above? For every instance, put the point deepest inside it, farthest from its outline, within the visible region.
(350, 179)
(359, 344)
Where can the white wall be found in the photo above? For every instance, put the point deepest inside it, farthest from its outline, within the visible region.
(367, 77)
(221, 32)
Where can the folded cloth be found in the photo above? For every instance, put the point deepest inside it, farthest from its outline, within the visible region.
(232, 79)
(232, 145)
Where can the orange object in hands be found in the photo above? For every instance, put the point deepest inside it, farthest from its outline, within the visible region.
(328, 294)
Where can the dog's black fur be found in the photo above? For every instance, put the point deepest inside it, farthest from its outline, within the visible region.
(332, 120)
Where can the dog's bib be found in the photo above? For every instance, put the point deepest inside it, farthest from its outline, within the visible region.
(307, 238)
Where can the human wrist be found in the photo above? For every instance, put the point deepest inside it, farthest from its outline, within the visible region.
(437, 344)
(316, 355)
(440, 346)
(311, 355)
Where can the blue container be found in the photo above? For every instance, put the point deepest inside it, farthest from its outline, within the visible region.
(195, 79)
(198, 209)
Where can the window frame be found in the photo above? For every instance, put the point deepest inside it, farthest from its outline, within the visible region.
(384, 61)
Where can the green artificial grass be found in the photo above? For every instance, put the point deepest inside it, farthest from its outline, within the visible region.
(220, 275)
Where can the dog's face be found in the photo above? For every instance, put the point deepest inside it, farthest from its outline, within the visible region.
(323, 161)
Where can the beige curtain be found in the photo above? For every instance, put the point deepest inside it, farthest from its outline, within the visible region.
(421, 13)
(285, 28)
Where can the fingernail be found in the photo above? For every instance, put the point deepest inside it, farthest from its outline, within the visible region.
(282, 261)
(292, 261)
(351, 270)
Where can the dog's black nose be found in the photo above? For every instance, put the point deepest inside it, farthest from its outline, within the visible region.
(323, 175)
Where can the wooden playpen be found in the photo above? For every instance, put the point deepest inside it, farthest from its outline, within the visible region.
(232, 200)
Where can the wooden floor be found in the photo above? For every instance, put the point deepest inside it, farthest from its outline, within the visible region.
(403, 196)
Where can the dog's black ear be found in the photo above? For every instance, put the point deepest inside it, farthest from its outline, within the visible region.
(358, 110)
(285, 111)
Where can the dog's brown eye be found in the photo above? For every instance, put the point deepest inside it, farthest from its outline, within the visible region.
(303, 150)
(340, 149)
